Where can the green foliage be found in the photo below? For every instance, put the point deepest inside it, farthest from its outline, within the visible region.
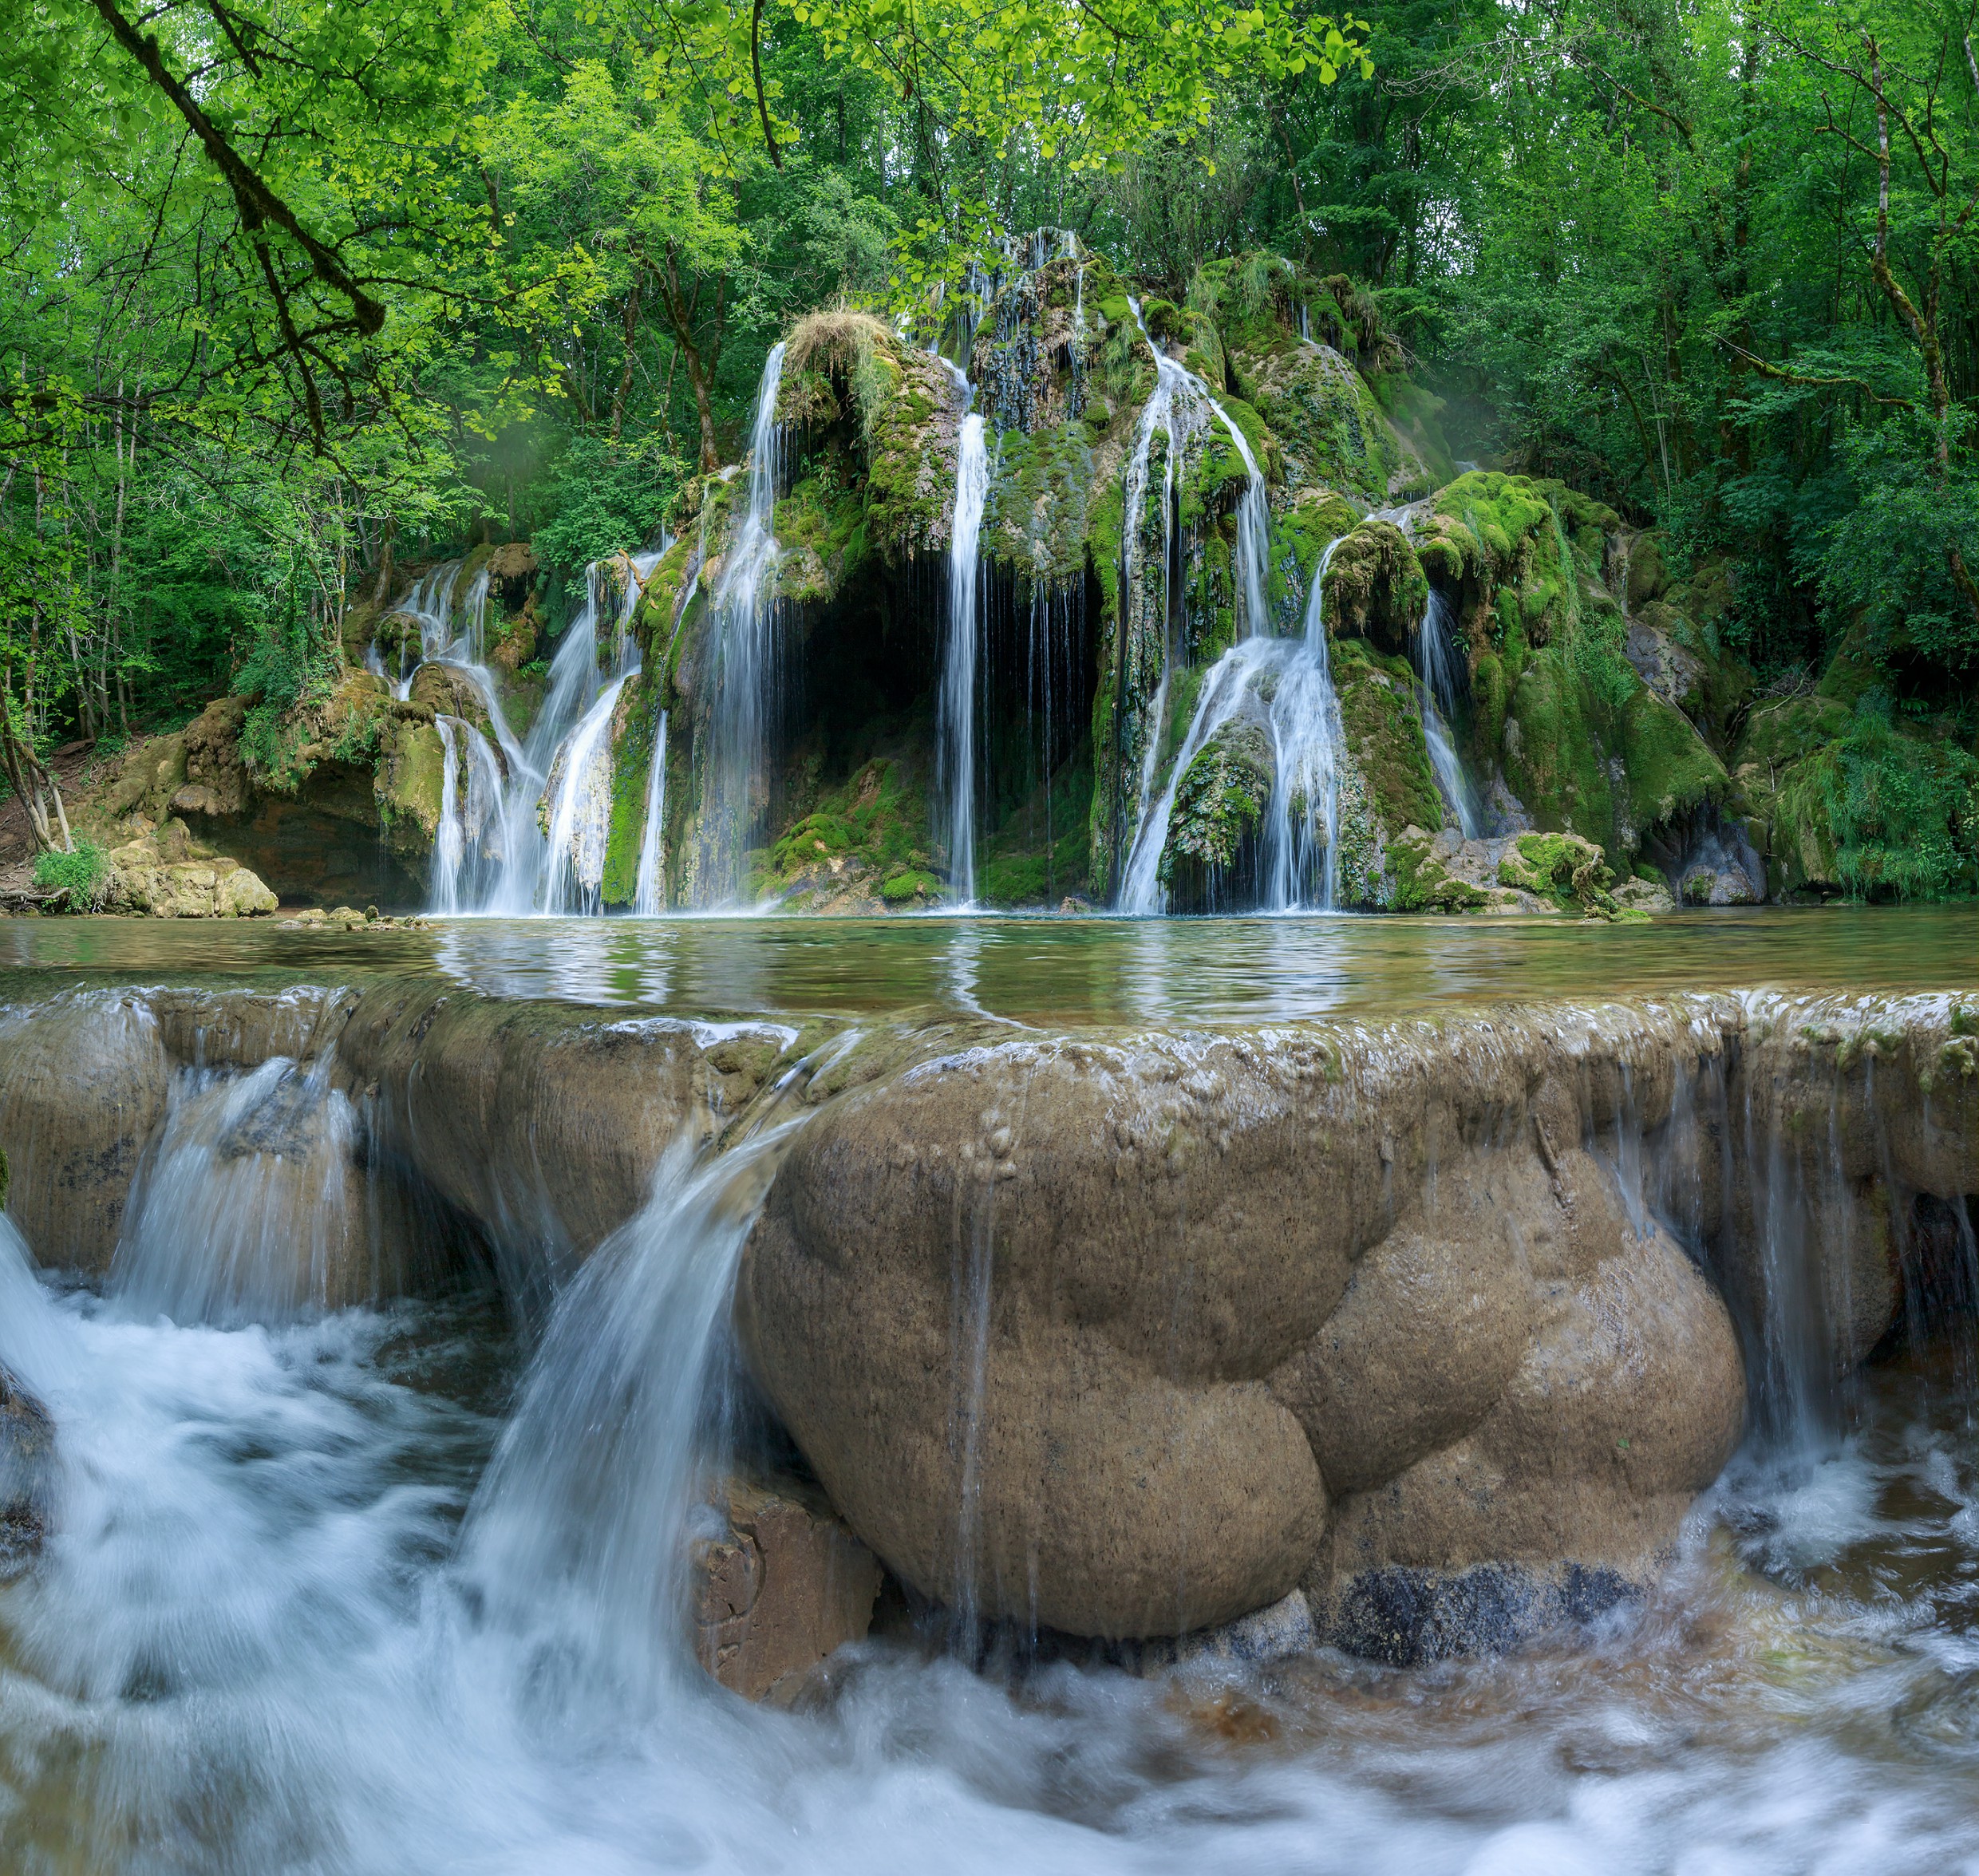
(82, 875)
(602, 501)
(1902, 814)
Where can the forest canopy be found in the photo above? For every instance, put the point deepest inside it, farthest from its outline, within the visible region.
(300, 290)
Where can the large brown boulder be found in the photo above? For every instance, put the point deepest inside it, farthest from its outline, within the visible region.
(1127, 1337)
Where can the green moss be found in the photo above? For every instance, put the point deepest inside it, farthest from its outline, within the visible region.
(876, 822)
(634, 723)
(906, 886)
(1423, 884)
(1042, 849)
(1219, 803)
(1878, 815)
(407, 786)
(1670, 770)
(1567, 871)
(1554, 756)
(1384, 737)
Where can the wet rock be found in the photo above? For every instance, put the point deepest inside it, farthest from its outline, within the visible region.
(1126, 1339)
(1219, 806)
(542, 1124)
(27, 1460)
(82, 1088)
(782, 1586)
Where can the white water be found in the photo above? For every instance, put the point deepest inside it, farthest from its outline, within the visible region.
(261, 1641)
(1180, 407)
(247, 1209)
(293, 1617)
(1301, 820)
(955, 726)
(649, 892)
(579, 800)
(1436, 693)
(743, 669)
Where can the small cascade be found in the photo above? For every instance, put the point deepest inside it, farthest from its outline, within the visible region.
(551, 788)
(1180, 406)
(1436, 662)
(744, 665)
(1291, 681)
(579, 1537)
(648, 891)
(253, 1207)
(1312, 745)
(955, 729)
(449, 837)
(578, 811)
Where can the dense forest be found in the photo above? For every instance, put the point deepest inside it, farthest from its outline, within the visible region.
(300, 294)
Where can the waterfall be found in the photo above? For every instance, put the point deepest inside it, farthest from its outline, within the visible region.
(449, 838)
(579, 1537)
(743, 666)
(1254, 536)
(1436, 692)
(251, 1207)
(554, 791)
(579, 803)
(647, 894)
(955, 730)
(1311, 749)
(1178, 408)
(1299, 707)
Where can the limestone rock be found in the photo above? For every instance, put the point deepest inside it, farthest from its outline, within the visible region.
(782, 1586)
(1092, 1334)
(82, 1088)
(145, 882)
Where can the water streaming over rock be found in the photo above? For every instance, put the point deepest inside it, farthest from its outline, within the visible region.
(955, 725)
(1436, 667)
(1287, 683)
(1181, 405)
(578, 798)
(649, 890)
(743, 669)
(255, 1205)
(291, 1616)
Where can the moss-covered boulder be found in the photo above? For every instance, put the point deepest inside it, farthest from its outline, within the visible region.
(1214, 830)
(1566, 870)
(1375, 588)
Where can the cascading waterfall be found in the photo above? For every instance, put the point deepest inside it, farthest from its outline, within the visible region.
(450, 836)
(1436, 693)
(1301, 821)
(648, 891)
(1179, 407)
(579, 799)
(251, 1207)
(1311, 743)
(743, 666)
(577, 1538)
(955, 730)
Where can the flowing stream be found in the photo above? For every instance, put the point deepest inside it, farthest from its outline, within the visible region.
(384, 1590)
(1436, 692)
(735, 780)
